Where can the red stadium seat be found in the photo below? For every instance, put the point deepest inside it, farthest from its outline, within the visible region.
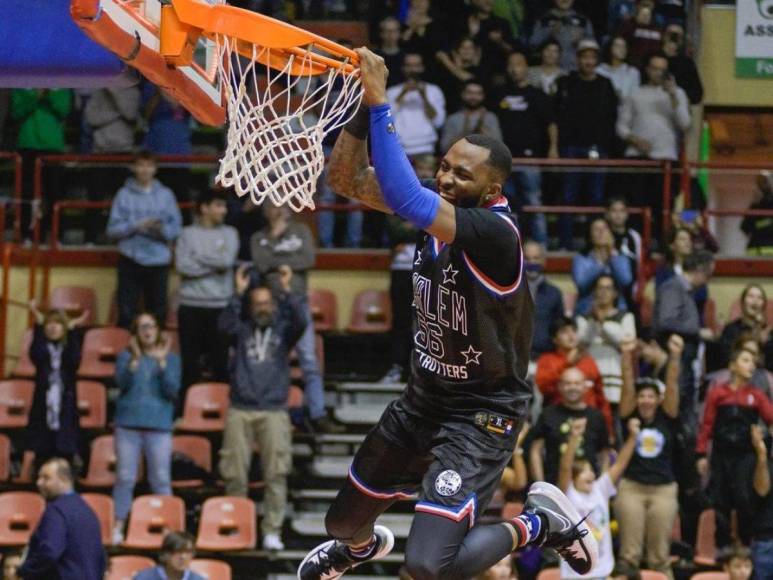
(199, 450)
(296, 374)
(151, 517)
(570, 301)
(126, 567)
(206, 406)
(324, 310)
(105, 512)
(211, 569)
(15, 403)
(295, 397)
(74, 300)
(101, 471)
(5, 457)
(227, 523)
(371, 313)
(92, 404)
(100, 349)
(20, 512)
(24, 368)
(27, 466)
(710, 316)
(705, 543)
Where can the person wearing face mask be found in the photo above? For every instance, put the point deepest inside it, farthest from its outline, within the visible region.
(730, 412)
(473, 117)
(647, 501)
(56, 353)
(548, 300)
(260, 381)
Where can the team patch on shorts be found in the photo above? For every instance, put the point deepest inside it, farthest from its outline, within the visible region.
(448, 483)
(494, 423)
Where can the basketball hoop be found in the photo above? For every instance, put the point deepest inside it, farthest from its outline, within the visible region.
(282, 88)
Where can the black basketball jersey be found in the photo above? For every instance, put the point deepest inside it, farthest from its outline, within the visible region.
(471, 335)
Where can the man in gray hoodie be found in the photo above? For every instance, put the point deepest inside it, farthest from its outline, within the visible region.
(205, 256)
(260, 381)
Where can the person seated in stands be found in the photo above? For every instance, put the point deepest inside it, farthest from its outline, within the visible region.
(647, 502)
(753, 321)
(762, 378)
(737, 563)
(729, 413)
(148, 376)
(551, 432)
(600, 257)
(55, 351)
(601, 331)
(473, 117)
(174, 560)
(548, 71)
(567, 26)
(628, 241)
(759, 229)
(548, 300)
(260, 382)
(591, 494)
(568, 354)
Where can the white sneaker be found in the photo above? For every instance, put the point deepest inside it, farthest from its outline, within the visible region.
(273, 543)
(118, 535)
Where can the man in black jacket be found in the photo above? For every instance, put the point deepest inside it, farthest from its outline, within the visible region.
(586, 107)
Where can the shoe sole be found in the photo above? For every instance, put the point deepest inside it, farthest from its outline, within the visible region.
(557, 496)
(384, 550)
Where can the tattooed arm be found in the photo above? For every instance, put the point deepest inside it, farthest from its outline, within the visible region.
(349, 173)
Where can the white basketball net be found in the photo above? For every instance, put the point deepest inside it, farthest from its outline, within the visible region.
(276, 124)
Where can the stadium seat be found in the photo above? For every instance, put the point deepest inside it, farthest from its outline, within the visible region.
(511, 510)
(371, 313)
(227, 523)
(199, 450)
(652, 575)
(710, 316)
(92, 404)
(20, 512)
(126, 567)
(101, 471)
(211, 569)
(710, 576)
(549, 574)
(74, 300)
(296, 374)
(15, 402)
(100, 348)
(24, 368)
(324, 310)
(5, 457)
(103, 508)
(206, 406)
(151, 517)
(570, 301)
(25, 472)
(705, 542)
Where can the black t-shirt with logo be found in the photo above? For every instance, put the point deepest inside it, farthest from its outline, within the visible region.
(653, 460)
(524, 114)
(554, 426)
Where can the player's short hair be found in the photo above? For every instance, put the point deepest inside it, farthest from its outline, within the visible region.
(145, 155)
(208, 196)
(700, 260)
(499, 158)
(560, 323)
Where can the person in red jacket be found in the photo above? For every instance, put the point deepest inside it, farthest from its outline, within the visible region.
(730, 412)
(551, 365)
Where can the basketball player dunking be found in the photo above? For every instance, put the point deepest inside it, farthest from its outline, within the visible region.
(452, 432)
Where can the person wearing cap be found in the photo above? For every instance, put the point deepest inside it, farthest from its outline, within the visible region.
(567, 26)
(646, 503)
(586, 108)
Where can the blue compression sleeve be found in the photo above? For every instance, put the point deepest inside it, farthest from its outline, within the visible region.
(398, 182)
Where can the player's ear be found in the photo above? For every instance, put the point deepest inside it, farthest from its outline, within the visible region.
(493, 192)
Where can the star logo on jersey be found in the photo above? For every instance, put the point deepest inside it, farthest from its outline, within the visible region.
(449, 274)
(417, 261)
(471, 356)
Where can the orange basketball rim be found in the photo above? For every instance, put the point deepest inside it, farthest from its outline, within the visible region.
(175, 45)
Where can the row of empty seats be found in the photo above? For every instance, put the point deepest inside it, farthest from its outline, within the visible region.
(225, 524)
